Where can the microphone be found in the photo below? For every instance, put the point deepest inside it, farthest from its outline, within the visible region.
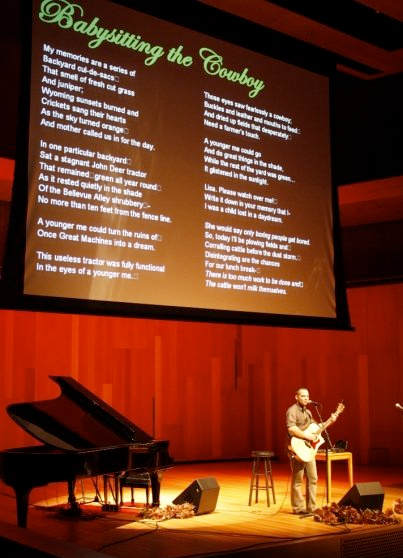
(399, 406)
(310, 402)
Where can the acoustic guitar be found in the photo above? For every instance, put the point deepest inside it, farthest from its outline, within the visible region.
(305, 450)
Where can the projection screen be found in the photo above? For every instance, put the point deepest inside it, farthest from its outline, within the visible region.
(171, 173)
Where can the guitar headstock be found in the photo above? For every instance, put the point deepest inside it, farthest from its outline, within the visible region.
(340, 408)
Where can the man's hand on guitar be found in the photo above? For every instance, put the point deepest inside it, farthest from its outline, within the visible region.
(311, 437)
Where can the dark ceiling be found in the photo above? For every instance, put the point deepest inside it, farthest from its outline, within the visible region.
(364, 36)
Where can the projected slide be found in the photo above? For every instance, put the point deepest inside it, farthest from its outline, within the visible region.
(172, 169)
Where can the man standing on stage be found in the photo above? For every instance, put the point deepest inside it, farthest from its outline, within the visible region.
(298, 418)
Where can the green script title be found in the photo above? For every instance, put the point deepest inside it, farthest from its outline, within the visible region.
(70, 16)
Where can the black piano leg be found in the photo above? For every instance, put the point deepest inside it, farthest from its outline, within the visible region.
(108, 479)
(74, 506)
(22, 497)
(155, 488)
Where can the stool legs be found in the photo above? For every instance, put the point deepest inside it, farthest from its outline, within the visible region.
(266, 473)
(271, 480)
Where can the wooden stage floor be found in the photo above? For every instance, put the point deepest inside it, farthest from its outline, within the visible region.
(233, 529)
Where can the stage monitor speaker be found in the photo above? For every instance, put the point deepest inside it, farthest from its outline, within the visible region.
(202, 493)
(364, 495)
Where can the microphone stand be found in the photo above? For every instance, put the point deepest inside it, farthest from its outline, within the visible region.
(327, 445)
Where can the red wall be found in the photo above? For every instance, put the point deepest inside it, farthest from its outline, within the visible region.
(218, 391)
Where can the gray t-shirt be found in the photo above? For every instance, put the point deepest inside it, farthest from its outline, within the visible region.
(298, 416)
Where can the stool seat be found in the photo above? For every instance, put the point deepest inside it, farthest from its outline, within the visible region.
(261, 467)
(268, 454)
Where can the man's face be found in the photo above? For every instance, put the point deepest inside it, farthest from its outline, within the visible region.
(302, 397)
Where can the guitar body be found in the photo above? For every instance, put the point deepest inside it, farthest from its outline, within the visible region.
(305, 450)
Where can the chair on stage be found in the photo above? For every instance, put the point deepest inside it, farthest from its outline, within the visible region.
(261, 469)
(132, 480)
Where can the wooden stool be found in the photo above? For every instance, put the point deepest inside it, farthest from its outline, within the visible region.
(262, 468)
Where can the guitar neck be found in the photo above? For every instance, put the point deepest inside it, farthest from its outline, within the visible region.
(325, 425)
(328, 422)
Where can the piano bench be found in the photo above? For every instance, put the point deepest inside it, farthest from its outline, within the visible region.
(132, 480)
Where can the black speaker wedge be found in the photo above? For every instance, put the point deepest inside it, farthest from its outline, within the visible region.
(202, 493)
(364, 495)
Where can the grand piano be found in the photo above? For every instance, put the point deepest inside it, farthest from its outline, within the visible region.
(82, 437)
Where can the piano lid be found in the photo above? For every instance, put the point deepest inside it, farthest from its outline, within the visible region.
(76, 419)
